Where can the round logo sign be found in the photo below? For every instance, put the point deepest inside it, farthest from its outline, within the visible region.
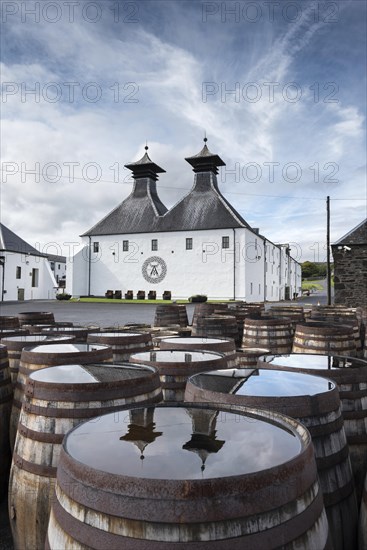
(154, 269)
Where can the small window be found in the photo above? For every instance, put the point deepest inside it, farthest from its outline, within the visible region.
(125, 246)
(95, 247)
(225, 242)
(154, 244)
(35, 273)
(59, 266)
(251, 288)
(189, 244)
(18, 272)
(53, 266)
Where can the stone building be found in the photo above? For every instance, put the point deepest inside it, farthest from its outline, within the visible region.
(202, 245)
(350, 267)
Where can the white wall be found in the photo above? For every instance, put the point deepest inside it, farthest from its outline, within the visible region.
(46, 281)
(206, 269)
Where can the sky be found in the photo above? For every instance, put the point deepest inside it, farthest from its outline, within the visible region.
(278, 87)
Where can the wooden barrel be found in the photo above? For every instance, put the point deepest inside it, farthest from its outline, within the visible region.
(123, 344)
(40, 357)
(38, 328)
(6, 396)
(313, 401)
(15, 345)
(80, 333)
(362, 531)
(226, 346)
(268, 332)
(6, 332)
(7, 321)
(324, 338)
(295, 314)
(350, 374)
(204, 309)
(201, 484)
(247, 357)
(166, 315)
(348, 321)
(334, 311)
(217, 326)
(36, 318)
(57, 399)
(175, 367)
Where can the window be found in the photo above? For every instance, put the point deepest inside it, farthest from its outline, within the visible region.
(125, 246)
(52, 266)
(59, 266)
(225, 242)
(18, 274)
(251, 288)
(154, 244)
(188, 244)
(95, 247)
(35, 273)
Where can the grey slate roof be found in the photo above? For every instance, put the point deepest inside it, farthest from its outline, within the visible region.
(204, 207)
(139, 213)
(358, 235)
(10, 242)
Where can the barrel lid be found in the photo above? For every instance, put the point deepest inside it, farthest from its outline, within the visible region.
(114, 334)
(56, 328)
(175, 356)
(66, 348)
(263, 383)
(181, 443)
(90, 374)
(37, 338)
(313, 361)
(195, 340)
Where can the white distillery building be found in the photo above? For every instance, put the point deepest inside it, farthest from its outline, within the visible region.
(200, 246)
(25, 273)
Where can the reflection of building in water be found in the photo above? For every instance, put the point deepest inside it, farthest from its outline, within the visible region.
(141, 429)
(203, 439)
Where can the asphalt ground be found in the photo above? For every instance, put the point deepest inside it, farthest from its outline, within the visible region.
(103, 315)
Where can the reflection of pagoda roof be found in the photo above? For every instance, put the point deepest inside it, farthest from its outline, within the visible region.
(141, 436)
(203, 442)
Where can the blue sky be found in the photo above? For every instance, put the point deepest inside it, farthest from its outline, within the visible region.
(278, 87)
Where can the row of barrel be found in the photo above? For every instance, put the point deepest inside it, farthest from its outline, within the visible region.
(58, 398)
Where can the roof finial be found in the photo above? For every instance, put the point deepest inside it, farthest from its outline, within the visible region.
(205, 138)
(146, 145)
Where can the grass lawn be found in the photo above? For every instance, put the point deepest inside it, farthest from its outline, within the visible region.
(113, 301)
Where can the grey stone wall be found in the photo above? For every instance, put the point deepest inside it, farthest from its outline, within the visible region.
(350, 275)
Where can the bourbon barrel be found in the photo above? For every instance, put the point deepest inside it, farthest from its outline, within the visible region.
(175, 366)
(313, 401)
(80, 333)
(7, 321)
(226, 346)
(324, 338)
(123, 344)
(16, 344)
(272, 333)
(40, 357)
(217, 326)
(56, 400)
(36, 318)
(6, 396)
(192, 477)
(350, 374)
(166, 315)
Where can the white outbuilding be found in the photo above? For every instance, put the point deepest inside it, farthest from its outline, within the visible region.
(202, 245)
(25, 272)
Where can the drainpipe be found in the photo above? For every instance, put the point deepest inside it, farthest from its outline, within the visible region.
(264, 271)
(2, 263)
(234, 263)
(89, 263)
